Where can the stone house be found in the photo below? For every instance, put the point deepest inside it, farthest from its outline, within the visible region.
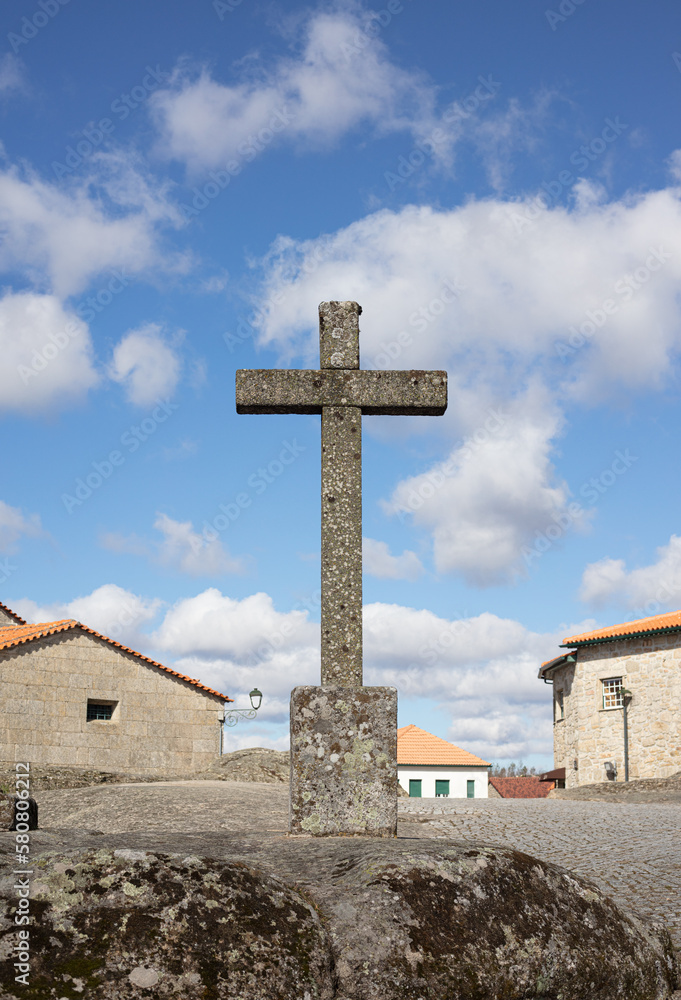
(633, 669)
(430, 767)
(71, 696)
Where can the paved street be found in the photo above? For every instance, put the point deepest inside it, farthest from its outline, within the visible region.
(631, 851)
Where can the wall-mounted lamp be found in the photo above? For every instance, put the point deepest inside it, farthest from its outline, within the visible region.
(232, 715)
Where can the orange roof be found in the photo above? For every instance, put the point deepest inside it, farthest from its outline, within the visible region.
(670, 621)
(417, 747)
(16, 635)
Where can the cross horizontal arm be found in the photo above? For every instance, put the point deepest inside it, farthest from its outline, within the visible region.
(396, 393)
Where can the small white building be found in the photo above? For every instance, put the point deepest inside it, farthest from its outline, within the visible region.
(429, 767)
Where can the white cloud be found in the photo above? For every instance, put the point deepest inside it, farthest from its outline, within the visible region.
(46, 351)
(64, 236)
(500, 134)
(131, 545)
(183, 450)
(648, 589)
(187, 551)
(602, 580)
(492, 286)
(12, 73)
(497, 292)
(485, 504)
(329, 88)
(109, 609)
(674, 165)
(378, 561)
(146, 365)
(235, 645)
(212, 625)
(181, 548)
(14, 524)
(482, 671)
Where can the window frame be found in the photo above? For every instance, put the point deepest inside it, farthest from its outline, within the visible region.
(106, 703)
(559, 706)
(614, 692)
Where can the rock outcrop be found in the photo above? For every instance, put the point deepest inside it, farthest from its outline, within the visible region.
(252, 764)
(10, 816)
(636, 790)
(334, 919)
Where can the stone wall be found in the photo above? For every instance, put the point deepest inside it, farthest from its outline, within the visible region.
(159, 723)
(589, 734)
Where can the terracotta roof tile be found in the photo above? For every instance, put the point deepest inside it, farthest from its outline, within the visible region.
(558, 774)
(671, 620)
(8, 611)
(521, 788)
(415, 746)
(12, 635)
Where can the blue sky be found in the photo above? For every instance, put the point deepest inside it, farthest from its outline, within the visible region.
(497, 185)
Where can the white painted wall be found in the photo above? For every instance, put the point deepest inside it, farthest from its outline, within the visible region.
(457, 777)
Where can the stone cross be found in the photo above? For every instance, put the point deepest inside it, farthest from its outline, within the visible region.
(341, 392)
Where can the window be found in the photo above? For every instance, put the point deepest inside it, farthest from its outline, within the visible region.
(558, 708)
(612, 693)
(98, 711)
(470, 789)
(414, 788)
(441, 789)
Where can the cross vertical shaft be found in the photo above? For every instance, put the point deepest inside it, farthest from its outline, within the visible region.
(342, 546)
(341, 616)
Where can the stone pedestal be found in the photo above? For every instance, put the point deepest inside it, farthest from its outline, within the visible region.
(344, 761)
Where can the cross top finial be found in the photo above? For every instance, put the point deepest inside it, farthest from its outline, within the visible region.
(339, 334)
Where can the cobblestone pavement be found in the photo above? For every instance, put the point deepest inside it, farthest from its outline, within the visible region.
(633, 852)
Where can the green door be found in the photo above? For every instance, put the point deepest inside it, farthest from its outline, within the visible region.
(470, 789)
(441, 788)
(414, 788)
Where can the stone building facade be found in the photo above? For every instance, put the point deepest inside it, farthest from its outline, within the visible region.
(590, 685)
(73, 697)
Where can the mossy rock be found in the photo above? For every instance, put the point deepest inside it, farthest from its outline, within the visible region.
(463, 922)
(327, 919)
(123, 924)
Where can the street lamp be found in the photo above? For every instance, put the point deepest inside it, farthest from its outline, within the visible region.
(626, 698)
(231, 716)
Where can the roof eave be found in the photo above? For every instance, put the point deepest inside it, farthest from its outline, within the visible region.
(67, 624)
(669, 630)
(555, 663)
(477, 763)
